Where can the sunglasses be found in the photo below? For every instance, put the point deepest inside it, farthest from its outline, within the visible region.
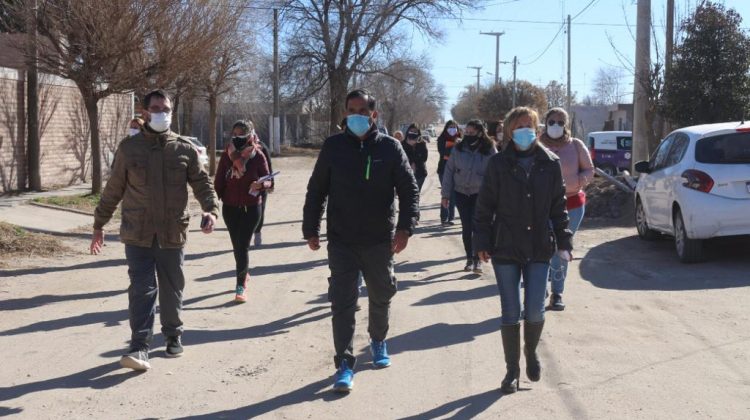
(553, 122)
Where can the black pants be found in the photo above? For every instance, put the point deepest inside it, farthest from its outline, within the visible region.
(264, 198)
(145, 266)
(376, 264)
(241, 223)
(466, 204)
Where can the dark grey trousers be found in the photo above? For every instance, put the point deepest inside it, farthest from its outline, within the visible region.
(145, 266)
(376, 264)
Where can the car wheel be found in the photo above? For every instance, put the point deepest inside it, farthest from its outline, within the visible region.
(609, 170)
(644, 232)
(688, 250)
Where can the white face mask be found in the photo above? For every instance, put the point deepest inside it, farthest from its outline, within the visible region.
(452, 131)
(133, 132)
(555, 131)
(160, 121)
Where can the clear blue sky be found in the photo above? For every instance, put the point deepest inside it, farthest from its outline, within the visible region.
(463, 46)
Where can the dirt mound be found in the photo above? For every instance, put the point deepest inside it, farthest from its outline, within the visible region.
(606, 201)
(18, 242)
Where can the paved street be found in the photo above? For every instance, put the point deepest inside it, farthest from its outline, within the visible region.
(643, 336)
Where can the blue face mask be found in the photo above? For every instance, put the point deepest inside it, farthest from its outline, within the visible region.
(359, 125)
(524, 138)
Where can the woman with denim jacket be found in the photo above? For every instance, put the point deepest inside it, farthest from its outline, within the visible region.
(520, 222)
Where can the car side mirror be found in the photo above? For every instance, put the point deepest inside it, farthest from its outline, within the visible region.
(643, 167)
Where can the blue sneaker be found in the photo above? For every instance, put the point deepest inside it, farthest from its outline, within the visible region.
(344, 378)
(380, 356)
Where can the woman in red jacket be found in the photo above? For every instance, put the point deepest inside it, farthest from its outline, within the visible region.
(241, 166)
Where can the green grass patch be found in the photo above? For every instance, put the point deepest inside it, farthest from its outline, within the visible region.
(85, 202)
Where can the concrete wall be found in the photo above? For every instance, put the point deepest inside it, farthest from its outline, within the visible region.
(64, 131)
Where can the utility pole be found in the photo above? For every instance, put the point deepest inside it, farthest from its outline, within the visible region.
(642, 66)
(568, 99)
(497, 36)
(276, 127)
(33, 146)
(669, 52)
(478, 75)
(515, 65)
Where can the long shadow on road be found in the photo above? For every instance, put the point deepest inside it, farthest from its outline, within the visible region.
(468, 407)
(97, 264)
(279, 326)
(441, 335)
(268, 269)
(108, 318)
(633, 264)
(312, 392)
(95, 378)
(453, 296)
(41, 300)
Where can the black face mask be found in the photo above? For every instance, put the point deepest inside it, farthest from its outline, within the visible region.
(239, 142)
(412, 136)
(471, 139)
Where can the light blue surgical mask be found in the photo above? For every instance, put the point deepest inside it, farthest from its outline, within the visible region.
(524, 138)
(359, 125)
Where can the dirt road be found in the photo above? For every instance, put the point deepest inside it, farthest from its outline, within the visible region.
(643, 336)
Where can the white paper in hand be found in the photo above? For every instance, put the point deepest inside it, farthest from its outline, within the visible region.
(263, 179)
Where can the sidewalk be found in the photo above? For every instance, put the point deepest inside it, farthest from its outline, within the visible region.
(16, 200)
(16, 210)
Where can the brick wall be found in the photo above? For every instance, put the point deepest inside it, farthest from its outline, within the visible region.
(64, 131)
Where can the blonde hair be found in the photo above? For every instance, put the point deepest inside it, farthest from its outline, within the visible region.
(513, 115)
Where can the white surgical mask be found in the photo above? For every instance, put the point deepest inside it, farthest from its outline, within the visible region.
(555, 131)
(133, 132)
(160, 121)
(452, 131)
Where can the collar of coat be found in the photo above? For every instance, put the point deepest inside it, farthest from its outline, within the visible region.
(541, 153)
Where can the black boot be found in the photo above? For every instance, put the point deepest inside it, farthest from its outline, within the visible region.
(531, 334)
(512, 348)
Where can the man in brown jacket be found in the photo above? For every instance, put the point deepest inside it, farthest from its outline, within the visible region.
(150, 175)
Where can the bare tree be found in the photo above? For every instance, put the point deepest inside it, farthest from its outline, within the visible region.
(330, 41)
(407, 93)
(608, 85)
(121, 45)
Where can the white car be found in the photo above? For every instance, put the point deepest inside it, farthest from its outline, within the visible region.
(696, 186)
(202, 155)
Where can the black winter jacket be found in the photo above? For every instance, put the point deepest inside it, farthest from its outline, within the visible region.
(519, 219)
(358, 178)
(417, 155)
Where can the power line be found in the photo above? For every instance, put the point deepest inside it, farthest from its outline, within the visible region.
(547, 47)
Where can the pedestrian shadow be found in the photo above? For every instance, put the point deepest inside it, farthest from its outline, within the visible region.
(107, 318)
(634, 264)
(277, 327)
(417, 266)
(95, 264)
(7, 411)
(453, 296)
(468, 407)
(441, 335)
(99, 377)
(319, 390)
(268, 269)
(41, 300)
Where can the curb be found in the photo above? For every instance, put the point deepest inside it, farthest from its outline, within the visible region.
(54, 207)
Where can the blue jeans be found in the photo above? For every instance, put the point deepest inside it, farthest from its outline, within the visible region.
(508, 278)
(448, 214)
(559, 268)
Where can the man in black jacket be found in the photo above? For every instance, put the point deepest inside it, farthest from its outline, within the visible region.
(357, 172)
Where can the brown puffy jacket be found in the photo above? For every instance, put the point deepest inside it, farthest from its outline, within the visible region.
(150, 176)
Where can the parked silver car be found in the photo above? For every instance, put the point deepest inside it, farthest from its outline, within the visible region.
(202, 155)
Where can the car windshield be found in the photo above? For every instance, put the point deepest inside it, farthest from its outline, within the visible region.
(724, 149)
